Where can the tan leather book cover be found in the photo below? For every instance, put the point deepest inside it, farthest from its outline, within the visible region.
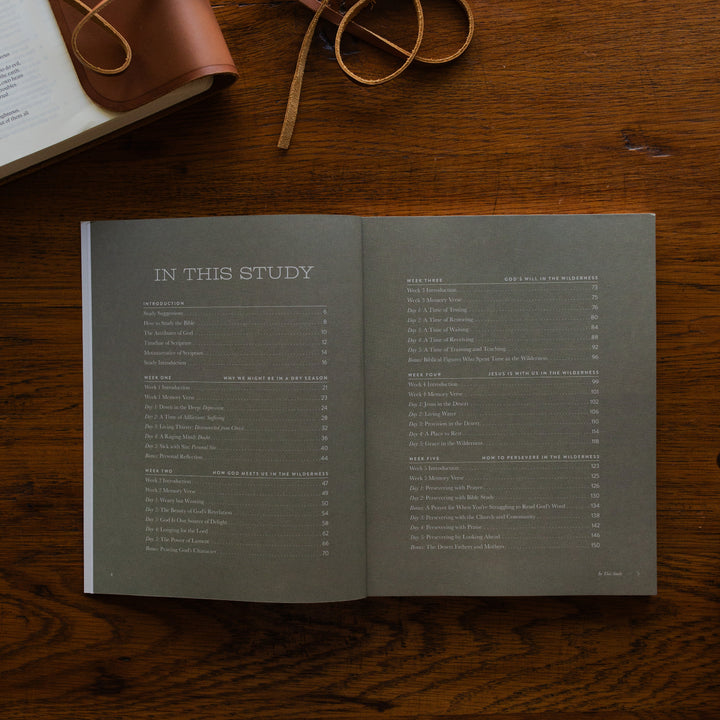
(173, 42)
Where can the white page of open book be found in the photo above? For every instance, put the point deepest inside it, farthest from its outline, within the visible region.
(43, 108)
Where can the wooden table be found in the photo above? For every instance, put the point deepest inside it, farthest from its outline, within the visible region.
(573, 107)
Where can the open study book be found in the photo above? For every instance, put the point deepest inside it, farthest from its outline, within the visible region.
(318, 408)
(50, 103)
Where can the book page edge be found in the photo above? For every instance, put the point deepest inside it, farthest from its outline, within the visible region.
(88, 548)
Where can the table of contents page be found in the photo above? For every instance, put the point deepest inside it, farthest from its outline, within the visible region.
(506, 425)
(228, 411)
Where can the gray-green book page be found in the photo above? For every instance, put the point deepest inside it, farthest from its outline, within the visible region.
(224, 436)
(510, 400)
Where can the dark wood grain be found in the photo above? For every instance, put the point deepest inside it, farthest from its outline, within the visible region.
(557, 107)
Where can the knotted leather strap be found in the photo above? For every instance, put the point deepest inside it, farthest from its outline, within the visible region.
(346, 23)
(93, 14)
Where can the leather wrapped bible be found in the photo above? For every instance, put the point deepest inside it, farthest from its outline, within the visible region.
(72, 72)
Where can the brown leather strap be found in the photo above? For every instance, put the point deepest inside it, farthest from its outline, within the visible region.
(296, 85)
(363, 33)
(409, 57)
(92, 14)
(346, 23)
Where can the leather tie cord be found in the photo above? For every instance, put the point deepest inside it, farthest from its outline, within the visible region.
(345, 22)
(92, 14)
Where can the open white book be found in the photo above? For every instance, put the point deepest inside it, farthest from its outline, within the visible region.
(44, 110)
